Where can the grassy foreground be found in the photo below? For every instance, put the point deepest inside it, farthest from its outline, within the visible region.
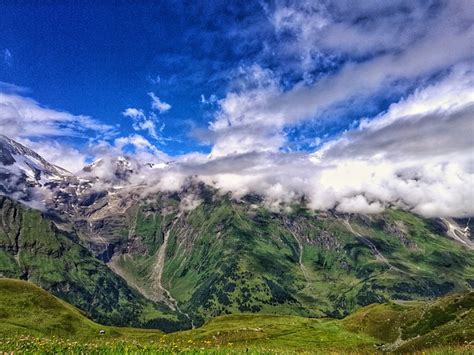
(32, 320)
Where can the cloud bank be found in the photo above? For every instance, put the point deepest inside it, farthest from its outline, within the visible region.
(317, 60)
(417, 156)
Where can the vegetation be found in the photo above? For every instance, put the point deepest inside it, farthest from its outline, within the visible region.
(410, 326)
(32, 320)
(227, 257)
(32, 248)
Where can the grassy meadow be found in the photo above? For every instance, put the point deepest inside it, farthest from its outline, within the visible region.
(34, 321)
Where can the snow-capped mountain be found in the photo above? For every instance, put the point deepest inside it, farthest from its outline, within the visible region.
(110, 168)
(22, 169)
(27, 177)
(29, 162)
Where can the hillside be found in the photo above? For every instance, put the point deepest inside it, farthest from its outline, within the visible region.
(225, 257)
(32, 248)
(32, 319)
(28, 309)
(409, 326)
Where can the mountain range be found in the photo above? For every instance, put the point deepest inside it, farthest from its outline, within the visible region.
(126, 253)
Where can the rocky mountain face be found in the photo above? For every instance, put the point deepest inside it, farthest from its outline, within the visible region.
(22, 170)
(176, 259)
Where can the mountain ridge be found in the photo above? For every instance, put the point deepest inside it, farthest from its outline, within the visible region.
(205, 253)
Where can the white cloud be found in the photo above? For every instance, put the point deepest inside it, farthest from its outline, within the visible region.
(154, 80)
(142, 122)
(144, 150)
(434, 121)
(417, 156)
(148, 122)
(23, 117)
(368, 27)
(157, 104)
(211, 100)
(39, 127)
(57, 153)
(397, 42)
(7, 57)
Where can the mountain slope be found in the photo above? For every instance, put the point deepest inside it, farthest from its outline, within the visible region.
(226, 257)
(22, 170)
(410, 326)
(32, 248)
(32, 320)
(24, 306)
(27, 310)
(33, 165)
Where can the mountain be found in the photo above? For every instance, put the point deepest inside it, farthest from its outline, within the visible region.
(177, 259)
(225, 257)
(34, 321)
(22, 169)
(25, 160)
(33, 248)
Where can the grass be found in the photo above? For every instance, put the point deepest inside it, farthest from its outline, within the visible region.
(277, 333)
(412, 326)
(34, 321)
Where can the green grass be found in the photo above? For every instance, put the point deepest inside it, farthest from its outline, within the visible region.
(32, 320)
(411, 326)
(277, 333)
(26, 309)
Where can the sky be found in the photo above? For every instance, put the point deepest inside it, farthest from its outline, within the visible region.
(352, 105)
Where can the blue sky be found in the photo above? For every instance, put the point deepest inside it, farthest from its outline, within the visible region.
(308, 90)
(98, 59)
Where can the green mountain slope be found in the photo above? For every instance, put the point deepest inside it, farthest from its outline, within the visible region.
(227, 257)
(32, 320)
(27, 309)
(410, 326)
(32, 248)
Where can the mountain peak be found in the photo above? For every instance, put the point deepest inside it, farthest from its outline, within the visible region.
(12, 152)
(22, 169)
